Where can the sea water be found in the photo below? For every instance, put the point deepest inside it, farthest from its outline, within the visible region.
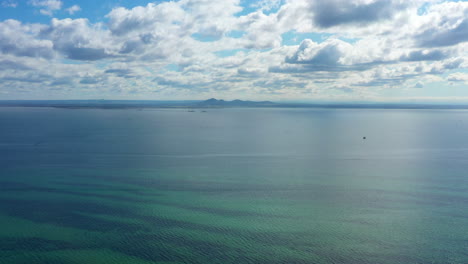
(233, 185)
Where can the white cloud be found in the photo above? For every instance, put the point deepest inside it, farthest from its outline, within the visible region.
(22, 40)
(76, 39)
(447, 25)
(144, 18)
(10, 3)
(211, 18)
(48, 6)
(262, 31)
(328, 54)
(73, 9)
(458, 77)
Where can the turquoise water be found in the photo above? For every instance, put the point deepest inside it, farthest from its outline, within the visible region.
(233, 186)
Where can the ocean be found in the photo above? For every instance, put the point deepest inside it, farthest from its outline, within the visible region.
(234, 185)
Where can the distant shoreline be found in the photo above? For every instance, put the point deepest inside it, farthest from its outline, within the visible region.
(213, 104)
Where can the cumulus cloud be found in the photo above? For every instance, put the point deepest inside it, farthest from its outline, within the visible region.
(440, 67)
(21, 40)
(249, 72)
(458, 77)
(444, 24)
(212, 18)
(328, 53)
(262, 31)
(425, 55)
(336, 12)
(78, 40)
(47, 6)
(73, 9)
(123, 21)
(332, 55)
(440, 37)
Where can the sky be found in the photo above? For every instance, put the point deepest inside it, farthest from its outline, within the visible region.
(281, 50)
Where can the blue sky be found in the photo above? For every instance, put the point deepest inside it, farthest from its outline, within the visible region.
(355, 50)
(94, 11)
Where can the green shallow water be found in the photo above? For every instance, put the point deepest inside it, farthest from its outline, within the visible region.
(233, 186)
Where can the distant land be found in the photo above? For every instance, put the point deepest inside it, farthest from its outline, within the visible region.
(234, 103)
(213, 103)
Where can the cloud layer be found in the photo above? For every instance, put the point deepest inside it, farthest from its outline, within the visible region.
(292, 49)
